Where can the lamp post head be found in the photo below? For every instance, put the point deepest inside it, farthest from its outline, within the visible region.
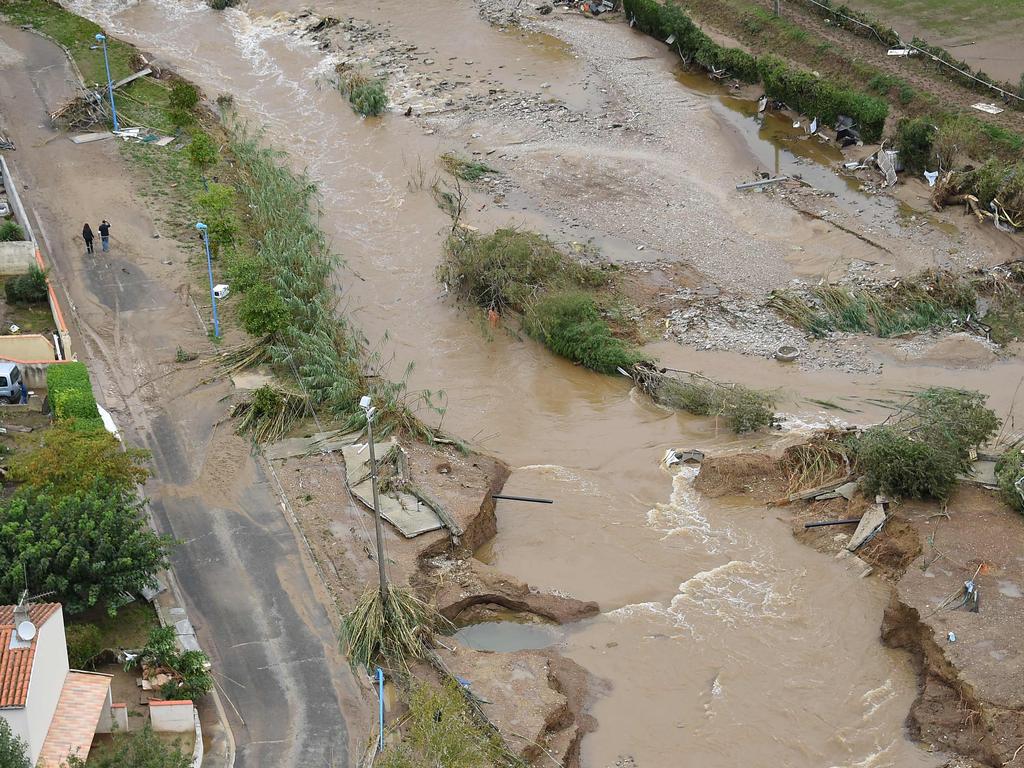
(364, 402)
(200, 226)
(100, 37)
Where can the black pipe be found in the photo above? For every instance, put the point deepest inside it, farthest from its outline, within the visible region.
(521, 498)
(831, 522)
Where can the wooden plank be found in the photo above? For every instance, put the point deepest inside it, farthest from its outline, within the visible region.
(132, 78)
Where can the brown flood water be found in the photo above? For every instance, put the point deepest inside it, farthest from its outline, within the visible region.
(722, 641)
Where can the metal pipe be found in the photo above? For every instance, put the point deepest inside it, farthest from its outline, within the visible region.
(110, 83)
(832, 522)
(376, 509)
(521, 498)
(380, 689)
(209, 268)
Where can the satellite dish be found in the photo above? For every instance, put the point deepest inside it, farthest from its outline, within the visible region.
(26, 630)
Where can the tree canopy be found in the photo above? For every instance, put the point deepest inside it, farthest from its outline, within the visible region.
(88, 546)
(13, 751)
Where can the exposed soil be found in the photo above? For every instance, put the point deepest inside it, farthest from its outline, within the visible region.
(970, 701)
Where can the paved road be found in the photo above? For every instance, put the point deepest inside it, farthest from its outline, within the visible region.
(258, 609)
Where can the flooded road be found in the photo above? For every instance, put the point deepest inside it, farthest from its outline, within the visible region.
(722, 641)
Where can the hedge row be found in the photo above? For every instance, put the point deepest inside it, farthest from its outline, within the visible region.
(803, 91)
(70, 394)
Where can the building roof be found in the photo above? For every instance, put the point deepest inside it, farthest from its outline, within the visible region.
(74, 721)
(16, 663)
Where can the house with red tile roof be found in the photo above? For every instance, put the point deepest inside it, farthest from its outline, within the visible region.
(54, 709)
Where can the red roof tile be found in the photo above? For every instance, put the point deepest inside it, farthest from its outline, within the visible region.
(74, 721)
(16, 663)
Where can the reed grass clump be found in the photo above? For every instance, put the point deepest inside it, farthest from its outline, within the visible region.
(366, 94)
(921, 449)
(510, 269)
(269, 412)
(464, 168)
(441, 730)
(932, 300)
(392, 628)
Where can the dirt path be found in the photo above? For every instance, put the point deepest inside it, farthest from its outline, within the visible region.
(257, 611)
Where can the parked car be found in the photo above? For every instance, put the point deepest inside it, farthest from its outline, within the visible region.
(10, 382)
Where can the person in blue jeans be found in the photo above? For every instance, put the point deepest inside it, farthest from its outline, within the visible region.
(105, 235)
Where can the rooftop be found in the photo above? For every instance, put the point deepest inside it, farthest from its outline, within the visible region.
(74, 721)
(16, 663)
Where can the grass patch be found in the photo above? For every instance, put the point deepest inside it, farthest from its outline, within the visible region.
(440, 730)
(103, 632)
(570, 325)
(464, 168)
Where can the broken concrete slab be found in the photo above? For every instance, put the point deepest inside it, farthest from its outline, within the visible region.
(847, 491)
(873, 519)
(88, 138)
(318, 442)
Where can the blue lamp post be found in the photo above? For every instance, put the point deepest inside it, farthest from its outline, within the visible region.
(102, 40)
(209, 267)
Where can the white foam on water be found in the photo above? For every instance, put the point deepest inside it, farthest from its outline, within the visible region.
(805, 425)
(683, 515)
(562, 474)
(878, 697)
(736, 592)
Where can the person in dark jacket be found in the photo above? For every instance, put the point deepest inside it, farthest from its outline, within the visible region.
(105, 235)
(87, 236)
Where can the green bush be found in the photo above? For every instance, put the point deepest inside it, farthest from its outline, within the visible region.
(217, 209)
(262, 311)
(510, 268)
(742, 408)
(1009, 471)
(183, 96)
(11, 231)
(570, 325)
(244, 271)
(914, 142)
(366, 94)
(13, 749)
(202, 151)
(922, 450)
(30, 288)
(70, 393)
(85, 643)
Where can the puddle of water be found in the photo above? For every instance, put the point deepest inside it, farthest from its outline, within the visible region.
(507, 636)
(908, 214)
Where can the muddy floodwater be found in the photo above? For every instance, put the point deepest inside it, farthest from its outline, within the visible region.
(722, 642)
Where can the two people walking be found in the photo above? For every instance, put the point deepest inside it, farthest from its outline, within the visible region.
(104, 236)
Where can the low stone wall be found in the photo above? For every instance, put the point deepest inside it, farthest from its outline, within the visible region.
(16, 257)
(172, 716)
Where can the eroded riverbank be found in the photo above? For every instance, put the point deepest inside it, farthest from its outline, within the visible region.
(578, 436)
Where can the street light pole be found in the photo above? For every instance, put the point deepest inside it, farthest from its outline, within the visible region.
(209, 268)
(364, 403)
(102, 39)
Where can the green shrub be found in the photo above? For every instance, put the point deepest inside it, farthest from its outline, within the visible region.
(70, 394)
(85, 643)
(220, 5)
(922, 449)
(570, 325)
(914, 142)
(183, 96)
(11, 231)
(202, 151)
(366, 94)
(217, 209)
(954, 140)
(262, 311)
(510, 268)
(30, 288)
(1009, 472)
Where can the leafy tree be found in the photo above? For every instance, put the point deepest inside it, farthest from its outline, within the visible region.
(13, 751)
(70, 460)
(202, 151)
(88, 546)
(217, 208)
(138, 749)
(262, 311)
